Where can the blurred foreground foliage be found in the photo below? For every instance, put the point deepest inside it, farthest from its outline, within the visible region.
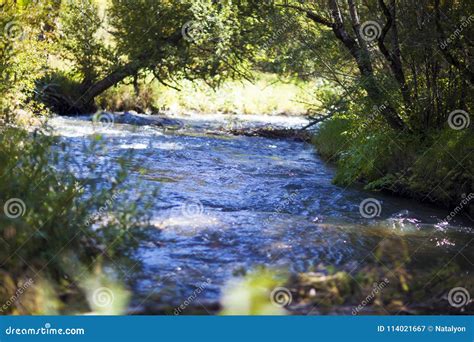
(389, 282)
(54, 231)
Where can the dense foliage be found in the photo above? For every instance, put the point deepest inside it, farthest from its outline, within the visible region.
(115, 41)
(50, 237)
(401, 97)
(393, 79)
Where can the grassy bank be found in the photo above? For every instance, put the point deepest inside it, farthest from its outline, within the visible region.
(267, 94)
(436, 167)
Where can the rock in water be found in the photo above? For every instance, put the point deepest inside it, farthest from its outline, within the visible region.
(133, 118)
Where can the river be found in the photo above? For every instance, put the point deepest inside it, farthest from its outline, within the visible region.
(227, 204)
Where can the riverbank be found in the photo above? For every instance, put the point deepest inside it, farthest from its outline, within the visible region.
(229, 204)
(436, 168)
(267, 93)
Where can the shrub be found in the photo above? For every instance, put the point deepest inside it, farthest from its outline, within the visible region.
(46, 219)
(332, 138)
(433, 167)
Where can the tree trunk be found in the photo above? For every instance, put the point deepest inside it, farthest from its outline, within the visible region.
(61, 103)
(364, 64)
(359, 51)
(86, 101)
(394, 58)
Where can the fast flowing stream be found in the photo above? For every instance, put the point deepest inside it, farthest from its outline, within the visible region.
(231, 203)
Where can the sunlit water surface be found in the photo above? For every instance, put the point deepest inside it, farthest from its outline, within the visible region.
(231, 203)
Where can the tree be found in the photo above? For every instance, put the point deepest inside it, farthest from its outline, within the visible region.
(399, 50)
(169, 39)
(25, 39)
(79, 41)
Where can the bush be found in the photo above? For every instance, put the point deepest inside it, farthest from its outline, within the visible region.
(332, 138)
(46, 234)
(433, 167)
(124, 98)
(57, 91)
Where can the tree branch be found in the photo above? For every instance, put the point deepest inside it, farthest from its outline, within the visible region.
(318, 120)
(394, 59)
(311, 15)
(468, 74)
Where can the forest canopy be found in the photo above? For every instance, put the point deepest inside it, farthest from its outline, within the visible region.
(419, 52)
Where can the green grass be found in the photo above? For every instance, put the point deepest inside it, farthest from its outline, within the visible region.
(432, 168)
(267, 95)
